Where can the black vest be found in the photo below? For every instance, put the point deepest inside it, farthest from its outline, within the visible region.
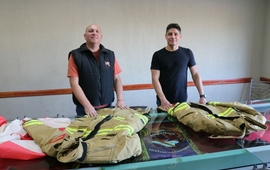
(95, 78)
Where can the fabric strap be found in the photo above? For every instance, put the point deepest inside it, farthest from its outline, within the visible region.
(84, 145)
(210, 111)
(97, 127)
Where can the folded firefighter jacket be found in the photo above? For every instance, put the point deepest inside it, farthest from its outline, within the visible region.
(219, 119)
(108, 138)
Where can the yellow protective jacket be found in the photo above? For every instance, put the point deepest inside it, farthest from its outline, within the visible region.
(220, 119)
(108, 138)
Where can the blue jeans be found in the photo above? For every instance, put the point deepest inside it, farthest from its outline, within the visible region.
(80, 110)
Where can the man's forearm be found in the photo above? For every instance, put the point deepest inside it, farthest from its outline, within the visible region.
(79, 94)
(118, 89)
(158, 89)
(198, 83)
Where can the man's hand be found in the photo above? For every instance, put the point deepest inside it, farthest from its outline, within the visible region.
(90, 111)
(202, 100)
(121, 104)
(165, 104)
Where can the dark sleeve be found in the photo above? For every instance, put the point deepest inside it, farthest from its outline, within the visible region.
(191, 61)
(155, 62)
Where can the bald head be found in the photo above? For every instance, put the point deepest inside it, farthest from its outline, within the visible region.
(93, 26)
(93, 34)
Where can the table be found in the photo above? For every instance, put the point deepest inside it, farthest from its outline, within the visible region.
(167, 144)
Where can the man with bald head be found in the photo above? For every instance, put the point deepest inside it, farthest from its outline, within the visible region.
(93, 74)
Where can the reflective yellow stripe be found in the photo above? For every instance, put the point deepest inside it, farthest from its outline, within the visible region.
(213, 103)
(118, 118)
(71, 130)
(32, 122)
(87, 133)
(211, 116)
(128, 128)
(125, 127)
(226, 112)
(178, 107)
(115, 117)
(104, 131)
(142, 117)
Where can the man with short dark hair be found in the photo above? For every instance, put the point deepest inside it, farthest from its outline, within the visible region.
(169, 70)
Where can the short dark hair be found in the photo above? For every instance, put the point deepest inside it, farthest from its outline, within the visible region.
(173, 25)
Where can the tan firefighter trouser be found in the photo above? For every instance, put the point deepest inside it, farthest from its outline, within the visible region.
(221, 119)
(108, 138)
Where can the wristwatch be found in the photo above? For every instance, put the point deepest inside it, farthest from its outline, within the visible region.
(203, 95)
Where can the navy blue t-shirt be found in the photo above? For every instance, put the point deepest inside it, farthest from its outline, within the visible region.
(173, 68)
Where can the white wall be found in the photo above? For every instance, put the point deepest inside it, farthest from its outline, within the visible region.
(227, 39)
(265, 71)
